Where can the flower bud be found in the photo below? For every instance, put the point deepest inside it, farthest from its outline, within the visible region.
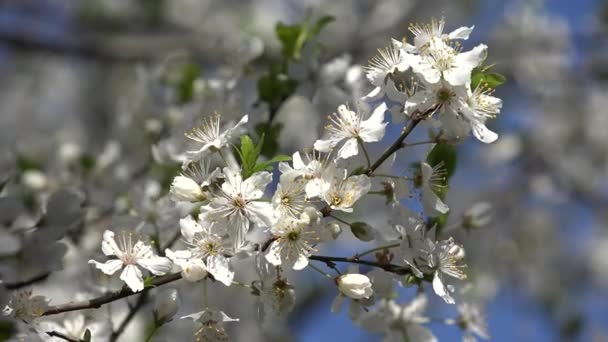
(334, 229)
(194, 270)
(362, 231)
(186, 189)
(166, 305)
(34, 180)
(69, 152)
(354, 285)
(477, 216)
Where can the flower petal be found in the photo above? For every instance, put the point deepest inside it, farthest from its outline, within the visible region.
(109, 267)
(109, 246)
(219, 267)
(131, 275)
(156, 264)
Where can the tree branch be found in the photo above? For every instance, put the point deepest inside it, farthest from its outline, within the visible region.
(398, 144)
(109, 297)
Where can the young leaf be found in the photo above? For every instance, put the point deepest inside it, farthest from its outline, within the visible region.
(482, 76)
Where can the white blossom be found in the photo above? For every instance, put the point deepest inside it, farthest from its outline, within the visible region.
(381, 73)
(192, 184)
(445, 258)
(442, 61)
(341, 191)
(205, 253)
(349, 125)
(237, 204)
(211, 325)
(432, 178)
(209, 134)
(425, 33)
(294, 241)
(399, 322)
(317, 167)
(130, 253)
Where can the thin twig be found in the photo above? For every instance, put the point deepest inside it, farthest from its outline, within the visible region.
(62, 336)
(417, 117)
(132, 312)
(108, 297)
(28, 282)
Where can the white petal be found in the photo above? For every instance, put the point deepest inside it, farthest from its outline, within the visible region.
(432, 203)
(481, 132)
(461, 33)
(349, 149)
(262, 213)
(464, 63)
(273, 255)
(131, 275)
(219, 267)
(156, 264)
(373, 95)
(326, 145)
(109, 246)
(109, 267)
(296, 159)
(180, 258)
(253, 187)
(189, 227)
(372, 129)
(441, 290)
(301, 262)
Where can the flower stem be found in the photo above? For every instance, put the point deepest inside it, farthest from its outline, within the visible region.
(360, 142)
(149, 338)
(369, 251)
(339, 220)
(320, 271)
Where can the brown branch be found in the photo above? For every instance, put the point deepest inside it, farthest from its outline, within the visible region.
(28, 282)
(108, 297)
(62, 336)
(417, 117)
(123, 325)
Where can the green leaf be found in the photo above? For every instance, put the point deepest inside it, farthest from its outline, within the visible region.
(294, 37)
(271, 133)
(320, 24)
(249, 154)
(7, 329)
(148, 281)
(446, 154)
(275, 87)
(189, 73)
(481, 76)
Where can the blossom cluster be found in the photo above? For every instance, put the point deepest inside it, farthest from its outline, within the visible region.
(235, 217)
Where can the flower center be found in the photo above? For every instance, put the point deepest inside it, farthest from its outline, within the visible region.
(293, 236)
(336, 200)
(239, 202)
(444, 95)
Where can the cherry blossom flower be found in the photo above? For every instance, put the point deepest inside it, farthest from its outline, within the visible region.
(130, 253)
(349, 125)
(209, 134)
(236, 204)
(445, 258)
(205, 244)
(341, 191)
(212, 325)
(295, 239)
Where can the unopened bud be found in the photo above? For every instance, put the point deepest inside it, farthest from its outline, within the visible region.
(166, 305)
(186, 189)
(34, 180)
(362, 231)
(334, 229)
(354, 285)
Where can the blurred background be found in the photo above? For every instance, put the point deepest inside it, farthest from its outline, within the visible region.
(96, 95)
